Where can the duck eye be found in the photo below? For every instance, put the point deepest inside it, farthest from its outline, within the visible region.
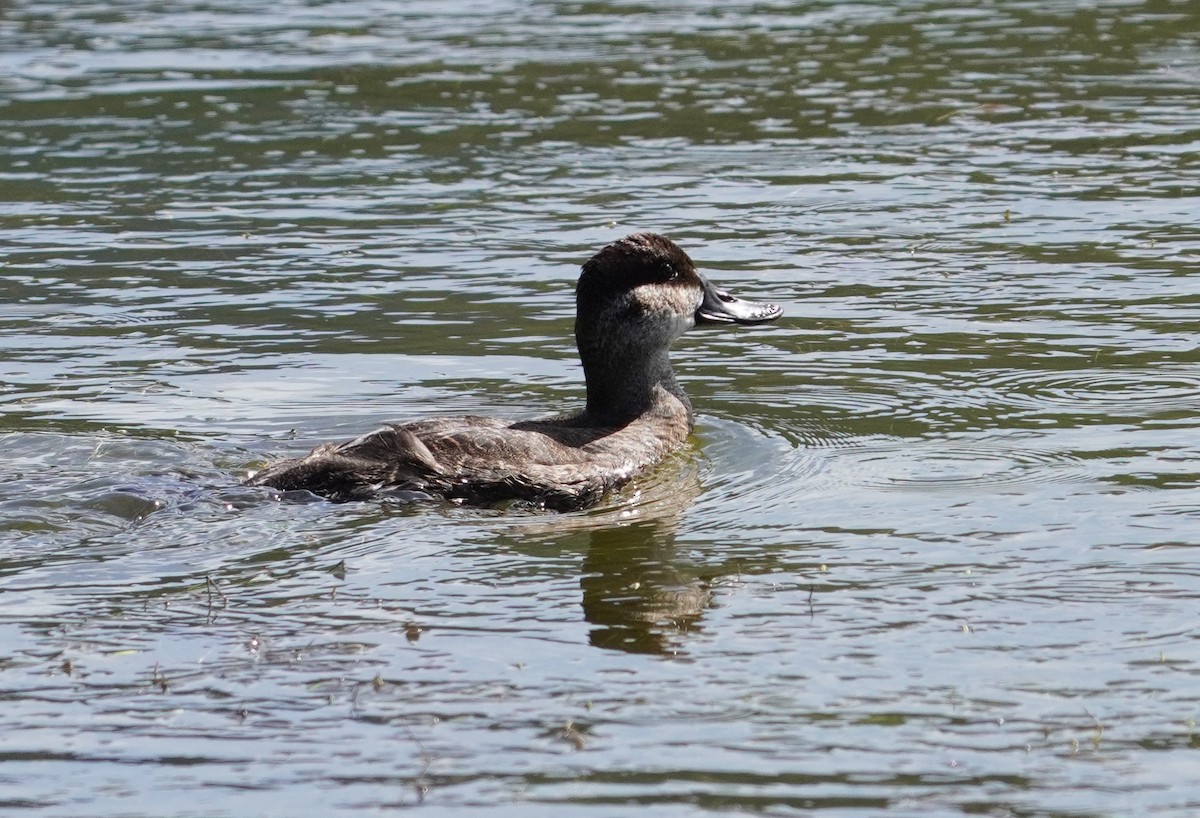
(669, 270)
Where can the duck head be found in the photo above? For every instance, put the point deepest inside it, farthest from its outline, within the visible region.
(634, 298)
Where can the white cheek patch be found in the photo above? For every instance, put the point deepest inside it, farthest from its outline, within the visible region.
(663, 312)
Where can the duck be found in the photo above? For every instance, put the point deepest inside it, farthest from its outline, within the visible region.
(633, 299)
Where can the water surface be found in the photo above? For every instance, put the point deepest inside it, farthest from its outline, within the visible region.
(932, 551)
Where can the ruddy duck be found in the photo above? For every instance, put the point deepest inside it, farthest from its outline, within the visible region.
(633, 299)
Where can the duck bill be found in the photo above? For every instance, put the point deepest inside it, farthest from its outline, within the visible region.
(719, 307)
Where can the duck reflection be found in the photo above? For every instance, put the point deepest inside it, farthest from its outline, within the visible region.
(636, 594)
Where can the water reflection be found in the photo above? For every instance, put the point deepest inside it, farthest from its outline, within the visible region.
(637, 593)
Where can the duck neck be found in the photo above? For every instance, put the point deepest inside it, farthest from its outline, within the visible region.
(625, 385)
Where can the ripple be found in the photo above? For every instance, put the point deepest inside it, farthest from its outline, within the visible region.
(127, 505)
(764, 470)
(958, 463)
(1137, 392)
(754, 468)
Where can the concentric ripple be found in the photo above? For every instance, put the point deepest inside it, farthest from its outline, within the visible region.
(960, 462)
(765, 470)
(1119, 392)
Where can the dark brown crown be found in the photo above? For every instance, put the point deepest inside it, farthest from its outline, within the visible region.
(639, 258)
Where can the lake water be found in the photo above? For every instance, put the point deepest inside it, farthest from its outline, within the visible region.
(935, 550)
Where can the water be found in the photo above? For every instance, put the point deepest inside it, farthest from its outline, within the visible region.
(933, 551)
